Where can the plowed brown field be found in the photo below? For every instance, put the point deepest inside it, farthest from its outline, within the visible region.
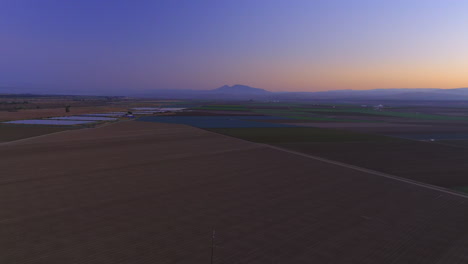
(137, 192)
(433, 163)
(52, 112)
(10, 133)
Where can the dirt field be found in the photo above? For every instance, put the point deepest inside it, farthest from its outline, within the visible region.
(298, 134)
(10, 133)
(433, 163)
(137, 192)
(41, 113)
(455, 143)
(438, 163)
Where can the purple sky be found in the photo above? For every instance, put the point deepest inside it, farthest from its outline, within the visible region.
(280, 45)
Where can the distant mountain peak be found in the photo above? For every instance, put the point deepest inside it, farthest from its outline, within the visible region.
(240, 89)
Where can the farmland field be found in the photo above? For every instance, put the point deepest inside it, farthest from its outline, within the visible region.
(366, 112)
(298, 134)
(42, 113)
(455, 143)
(139, 192)
(435, 164)
(17, 107)
(51, 122)
(145, 192)
(84, 118)
(10, 133)
(384, 140)
(216, 121)
(344, 113)
(428, 162)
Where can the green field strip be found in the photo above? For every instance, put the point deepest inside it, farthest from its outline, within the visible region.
(386, 113)
(228, 106)
(329, 119)
(274, 105)
(305, 116)
(277, 111)
(221, 108)
(463, 189)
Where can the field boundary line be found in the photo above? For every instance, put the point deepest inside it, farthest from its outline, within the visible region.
(369, 171)
(40, 136)
(59, 132)
(353, 167)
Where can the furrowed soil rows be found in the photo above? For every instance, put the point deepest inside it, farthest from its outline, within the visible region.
(142, 192)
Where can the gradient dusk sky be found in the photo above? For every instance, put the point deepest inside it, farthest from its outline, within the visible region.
(279, 45)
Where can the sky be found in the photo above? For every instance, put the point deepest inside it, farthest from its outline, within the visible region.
(278, 45)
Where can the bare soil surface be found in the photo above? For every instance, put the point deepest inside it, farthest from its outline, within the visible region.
(140, 192)
(455, 143)
(11, 133)
(53, 112)
(433, 163)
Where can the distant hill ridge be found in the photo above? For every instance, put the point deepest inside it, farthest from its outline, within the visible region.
(244, 92)
(374, 94)
(238, 88)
